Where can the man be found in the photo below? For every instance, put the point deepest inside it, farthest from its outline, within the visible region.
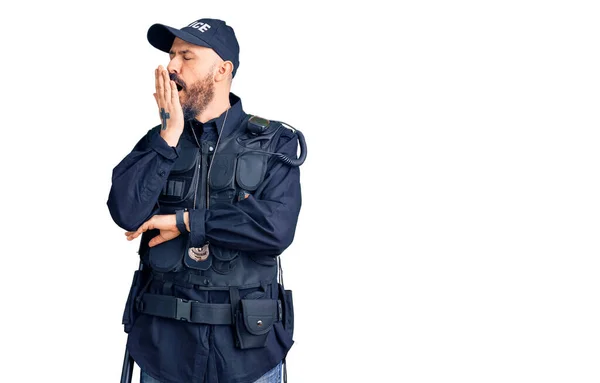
(215, 195)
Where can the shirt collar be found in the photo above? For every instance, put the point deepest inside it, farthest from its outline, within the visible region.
(235, 115)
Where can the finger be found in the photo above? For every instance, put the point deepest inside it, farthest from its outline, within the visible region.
(156, 84)
(167, 86)
(174, 93)
(139, 231)
(148, 225)
(142, 229)
(160, 89)
(156, 241)
(132, 235)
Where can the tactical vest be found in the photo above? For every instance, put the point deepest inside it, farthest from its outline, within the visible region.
(236, 171)
(224, 172)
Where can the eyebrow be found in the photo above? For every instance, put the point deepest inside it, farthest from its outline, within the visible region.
(181, 52)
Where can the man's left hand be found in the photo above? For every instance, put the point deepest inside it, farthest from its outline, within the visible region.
(165, 223)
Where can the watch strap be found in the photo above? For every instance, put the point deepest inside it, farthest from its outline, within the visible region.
(180, 222)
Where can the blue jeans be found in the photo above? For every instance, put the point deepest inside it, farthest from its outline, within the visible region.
(272, 376)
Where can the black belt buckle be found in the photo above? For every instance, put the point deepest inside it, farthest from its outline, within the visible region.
(183, 310)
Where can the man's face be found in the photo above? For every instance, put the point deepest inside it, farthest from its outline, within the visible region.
(192, 68)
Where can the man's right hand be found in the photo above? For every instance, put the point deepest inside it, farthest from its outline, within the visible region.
(169, 108)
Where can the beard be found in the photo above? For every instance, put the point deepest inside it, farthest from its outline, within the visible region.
(199, 95)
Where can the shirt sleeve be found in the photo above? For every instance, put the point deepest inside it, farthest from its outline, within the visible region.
(265, 221)
(138, 179)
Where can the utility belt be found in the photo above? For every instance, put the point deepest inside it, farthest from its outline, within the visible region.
(168, 306)
(252, 317)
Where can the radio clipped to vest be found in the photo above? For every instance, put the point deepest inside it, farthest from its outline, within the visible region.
(259, 126)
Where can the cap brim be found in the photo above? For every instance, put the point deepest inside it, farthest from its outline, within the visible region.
(161, 37)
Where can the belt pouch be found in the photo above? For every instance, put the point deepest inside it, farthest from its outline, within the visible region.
(130, 313)
(285, 296)
(254, 321)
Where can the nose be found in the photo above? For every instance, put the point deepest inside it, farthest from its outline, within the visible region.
(173, 66)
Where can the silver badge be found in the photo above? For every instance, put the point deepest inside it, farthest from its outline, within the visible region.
(199, 254)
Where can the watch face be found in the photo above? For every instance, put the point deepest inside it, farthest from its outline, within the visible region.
(199, 254)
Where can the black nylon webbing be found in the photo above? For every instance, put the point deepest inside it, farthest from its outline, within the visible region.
(167, 306)
(173, 188)
(191, 311)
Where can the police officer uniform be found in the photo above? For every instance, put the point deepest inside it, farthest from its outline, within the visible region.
(208, 306)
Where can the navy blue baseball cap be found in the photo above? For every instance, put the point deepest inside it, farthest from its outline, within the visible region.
(211, 33)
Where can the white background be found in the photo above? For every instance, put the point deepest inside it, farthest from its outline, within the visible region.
(449, 228)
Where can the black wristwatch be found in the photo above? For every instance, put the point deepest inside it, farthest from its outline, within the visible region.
(180, 222)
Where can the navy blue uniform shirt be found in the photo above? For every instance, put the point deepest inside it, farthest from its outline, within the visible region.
(175, 351)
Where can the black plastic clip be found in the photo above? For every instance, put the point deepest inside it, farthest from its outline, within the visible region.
(183, 310)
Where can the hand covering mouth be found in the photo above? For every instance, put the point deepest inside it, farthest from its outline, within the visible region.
(174, 78)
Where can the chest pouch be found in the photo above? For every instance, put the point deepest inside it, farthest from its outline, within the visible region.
(251, 169)
(225, 259)
(222, 171)
(198, 265)
(251, 162)
(182, 178)
(168, 255)
(222, 176)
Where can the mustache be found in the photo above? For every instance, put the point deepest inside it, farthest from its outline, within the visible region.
(177, 80)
